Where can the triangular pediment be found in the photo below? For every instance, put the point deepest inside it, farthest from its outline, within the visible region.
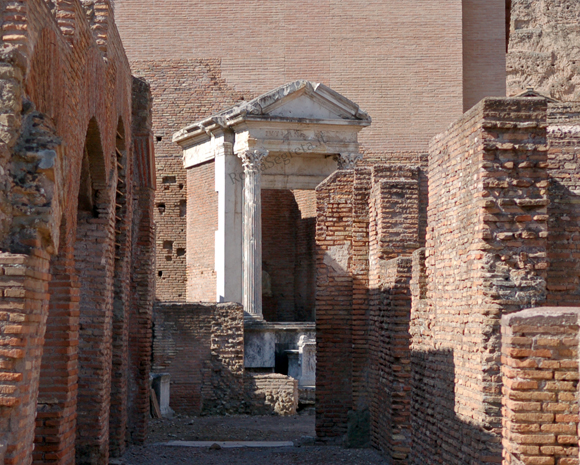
(306, 100)
(301, 101)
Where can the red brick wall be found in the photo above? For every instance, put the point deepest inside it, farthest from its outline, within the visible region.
(334, 298)
(364, 218)
(564, 210)
(24, 280)
(201, 346)
(540, 393)
(412, 84)
(142, 265)
(288, 228)
(279, 223)
(184, 91)
(202, 220)
(57, 85)
(305, 266)
(394, 232)
(486, 255)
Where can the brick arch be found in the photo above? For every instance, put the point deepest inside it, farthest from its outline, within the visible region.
(94, 264)
(57, 396)
(121, 299)
(95, 167)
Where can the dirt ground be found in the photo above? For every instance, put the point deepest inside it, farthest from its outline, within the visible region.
(231, 428)
(311, 455)
(298, 428)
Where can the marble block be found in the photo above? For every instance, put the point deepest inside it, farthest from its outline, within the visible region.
(259, 349)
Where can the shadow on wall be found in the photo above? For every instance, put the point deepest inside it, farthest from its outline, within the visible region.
(563, 282)
(413, 417)
(439, 435)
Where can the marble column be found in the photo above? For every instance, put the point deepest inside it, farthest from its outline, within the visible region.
(252, 233)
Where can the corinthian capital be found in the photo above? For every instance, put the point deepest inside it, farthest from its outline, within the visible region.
(252, 159)
(348, 161)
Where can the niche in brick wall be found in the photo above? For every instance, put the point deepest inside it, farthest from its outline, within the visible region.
(288, 235)
(182, 208)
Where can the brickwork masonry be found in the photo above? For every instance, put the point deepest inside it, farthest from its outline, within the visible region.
(201, 346)
(70, 181)
(540, 386)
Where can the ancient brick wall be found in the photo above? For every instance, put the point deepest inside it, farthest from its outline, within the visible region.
(271, 393)
(67, 109)
(280, 214)
(305, 265)
(422, 84)
(365, 217)
(486, 255)
(390, 310)
(334, 198)
(143, 264)
(201, 346)
(288, 230)
(564, 210)
(394, 233)
(542, 49)
(540, 378)
(184, 91)
(202, 217)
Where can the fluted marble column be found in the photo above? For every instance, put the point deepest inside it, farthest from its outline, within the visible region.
(252, 232)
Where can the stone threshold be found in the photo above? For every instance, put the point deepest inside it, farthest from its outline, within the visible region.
(227, 444)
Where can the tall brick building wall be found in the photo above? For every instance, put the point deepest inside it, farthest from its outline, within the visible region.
(414, 69)
(77, 163)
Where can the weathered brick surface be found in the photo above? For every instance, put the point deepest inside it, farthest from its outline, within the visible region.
(542, 51)
(201, 213)
(288, 228)
(486, 255)
(391, 358)
(540, 386)
(394, 233)
(66, 111)
(201, 346)
(184, 90)
(142, 263)
(564, 210)
(271, 393)
(365, 218)
(334, 296)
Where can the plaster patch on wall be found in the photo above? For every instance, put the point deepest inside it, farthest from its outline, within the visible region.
(336, 257)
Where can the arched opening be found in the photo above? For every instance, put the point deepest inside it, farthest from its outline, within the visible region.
(56, 408)
(94, 263)
(119, 381)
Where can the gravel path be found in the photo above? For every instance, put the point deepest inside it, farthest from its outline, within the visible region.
(324, 455)
(242, 428)
(232, 428)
